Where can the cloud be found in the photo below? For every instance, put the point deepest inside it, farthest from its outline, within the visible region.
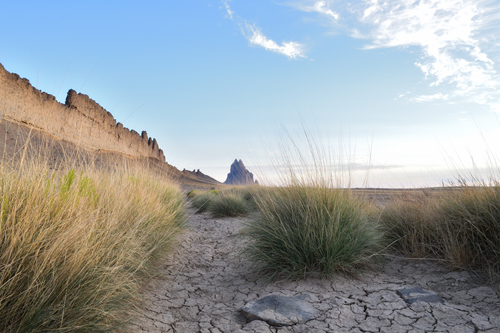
(229, 12)
(292, 50)
(448, 33)
(254, 35)
(431, 98)
(455, 39)
(322, 7)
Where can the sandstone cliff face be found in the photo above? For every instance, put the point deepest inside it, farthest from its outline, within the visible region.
(80, 120)
(239, 175)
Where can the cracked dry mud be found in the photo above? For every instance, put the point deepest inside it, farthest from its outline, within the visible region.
(204, 283)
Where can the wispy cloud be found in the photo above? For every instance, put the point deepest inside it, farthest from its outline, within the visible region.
(322, 7)
(254, 35)
(229, 12)
(448, 33)
(451, 37)
(431, 98)
(292, 50)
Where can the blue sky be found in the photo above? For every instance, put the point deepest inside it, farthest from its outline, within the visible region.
(416, 83)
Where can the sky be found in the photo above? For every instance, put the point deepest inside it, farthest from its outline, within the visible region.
(409, 90)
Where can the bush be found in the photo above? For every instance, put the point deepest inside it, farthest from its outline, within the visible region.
(191, 194)
(202, 201)
(461, 226)
(247, 193)
(77, 247)
(304, 229)
(229, 205)
(311, 223)
(471, 232)
(411, 225)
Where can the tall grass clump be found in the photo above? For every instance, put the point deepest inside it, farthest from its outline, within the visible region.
(229, 204)
(305, 229)
(201, 202)
(247, 193)
(471, 231)
(460, 225)
(309, 224)
(191, 194)
(411, 225)
(76, 246)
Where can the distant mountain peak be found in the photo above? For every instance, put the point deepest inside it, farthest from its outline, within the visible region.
(239, 175)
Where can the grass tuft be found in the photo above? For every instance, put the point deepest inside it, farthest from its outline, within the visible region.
(410, 225)
(191, 194)
(77, 246)
(305, 230)
(230, 205)
(471, 232)
(202, 201)
(309, 224)
(460, 225)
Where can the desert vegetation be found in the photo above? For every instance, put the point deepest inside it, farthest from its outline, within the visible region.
(311, 223)
(231, 202)
(303, 229)
(460, 225)
(315, 223)
(78, 242)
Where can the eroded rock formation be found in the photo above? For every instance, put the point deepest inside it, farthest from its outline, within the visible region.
(239, 175)
(80, 120)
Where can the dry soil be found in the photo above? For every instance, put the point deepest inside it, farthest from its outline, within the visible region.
(204, 282)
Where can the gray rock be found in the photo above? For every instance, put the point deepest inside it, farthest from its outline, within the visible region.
(239, 175)
(417, 294)
(280, 310)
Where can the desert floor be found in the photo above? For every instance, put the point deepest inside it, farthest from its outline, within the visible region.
(204, 282)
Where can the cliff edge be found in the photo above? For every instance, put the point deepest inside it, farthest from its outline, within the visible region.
(80, 120)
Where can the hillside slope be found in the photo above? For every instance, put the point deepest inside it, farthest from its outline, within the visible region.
(79, 130)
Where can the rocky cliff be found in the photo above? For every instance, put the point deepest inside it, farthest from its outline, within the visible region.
(239, 175)
(80, 120)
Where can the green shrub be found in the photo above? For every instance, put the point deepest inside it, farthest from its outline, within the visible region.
(191, 194)
(202, 201)
(247, 193)
(304, 229)
(229, 204)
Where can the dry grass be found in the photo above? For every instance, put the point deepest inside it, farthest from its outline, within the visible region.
(411, 225)
(460, 225)
(471, 228)
(229, 204)
(76, 246)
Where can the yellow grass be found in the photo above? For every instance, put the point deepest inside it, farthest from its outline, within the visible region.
(76, 246)
(459, 225)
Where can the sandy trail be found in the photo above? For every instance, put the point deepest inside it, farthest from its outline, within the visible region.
(203, 284)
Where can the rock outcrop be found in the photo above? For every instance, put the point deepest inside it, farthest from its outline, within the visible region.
(200, 175)
(239, 175)
(80, 120)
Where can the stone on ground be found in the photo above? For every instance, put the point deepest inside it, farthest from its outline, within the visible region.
(280, 310)
(417, 294)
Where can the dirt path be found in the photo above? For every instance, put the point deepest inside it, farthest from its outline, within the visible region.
(204, 283)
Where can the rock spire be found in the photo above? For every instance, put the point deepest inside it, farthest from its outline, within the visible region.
(239, 175)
